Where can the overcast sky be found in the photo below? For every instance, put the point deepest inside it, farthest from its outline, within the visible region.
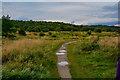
(71, 12)
(60, 0)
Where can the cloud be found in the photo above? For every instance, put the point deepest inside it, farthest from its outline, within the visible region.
(72, 22)
(22, 18)
(60, 0)
(79, 12)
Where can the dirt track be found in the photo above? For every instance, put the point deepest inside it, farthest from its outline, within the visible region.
(63, 65)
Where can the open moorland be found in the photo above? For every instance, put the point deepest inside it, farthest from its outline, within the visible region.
(29, 49)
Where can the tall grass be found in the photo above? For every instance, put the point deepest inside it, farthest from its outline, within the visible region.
(93, 60)
(30, 59)
(33, 56)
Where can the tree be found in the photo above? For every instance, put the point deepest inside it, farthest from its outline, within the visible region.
(6, 17)
(6, 25)
(109, 30)
(3, 17)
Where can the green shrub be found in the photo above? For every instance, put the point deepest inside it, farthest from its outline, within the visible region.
(3, 37)
(12, 37)
(54, 35)
(96, 40)
(76, 34)
(50, 33)
(89, 46)
(42, 34)
(35, 34)
(89, 32)
(22, 32)
(98, 30)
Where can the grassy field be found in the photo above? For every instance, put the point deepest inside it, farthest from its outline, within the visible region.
(94, 57)
(33, 56)
(30, 59)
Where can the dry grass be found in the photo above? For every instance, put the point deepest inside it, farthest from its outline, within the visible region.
(22, 45)
(108, 32)
(93, 37)
(37, 55)
(108, 41)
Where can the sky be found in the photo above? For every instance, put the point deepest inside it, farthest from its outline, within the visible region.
(86, 13)
(60, 0)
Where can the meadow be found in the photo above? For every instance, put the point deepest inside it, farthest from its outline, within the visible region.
(30, 59)
(94, 57)
(33, 56)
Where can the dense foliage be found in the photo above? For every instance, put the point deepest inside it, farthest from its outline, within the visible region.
(11, 26)
(22, 32)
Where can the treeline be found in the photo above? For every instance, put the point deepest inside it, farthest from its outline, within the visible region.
(11, 26)
(38, 26)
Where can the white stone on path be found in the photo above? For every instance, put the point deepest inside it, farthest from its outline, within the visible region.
(63, 63)
(60, 53)
(63, 47)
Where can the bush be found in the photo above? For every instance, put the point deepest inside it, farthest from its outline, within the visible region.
(11, 36)
(50, 33)
(22, 32)
(76, 34)
(89, 46)
(118, 30)
(14, 38)
(96, 40)
(98, 30)
(42, 34)
(54, 35)
(89, 32)
(35, 34)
